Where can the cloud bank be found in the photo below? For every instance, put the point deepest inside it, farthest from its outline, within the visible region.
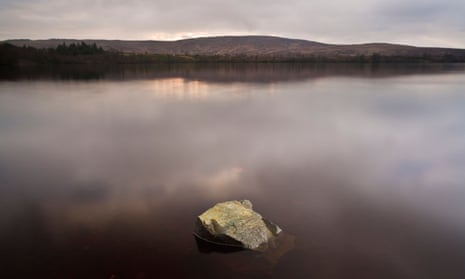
(417, 22)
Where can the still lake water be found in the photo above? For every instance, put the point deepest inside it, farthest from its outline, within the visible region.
(103, 171)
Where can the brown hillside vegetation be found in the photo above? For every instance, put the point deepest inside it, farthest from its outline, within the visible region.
(251, 46)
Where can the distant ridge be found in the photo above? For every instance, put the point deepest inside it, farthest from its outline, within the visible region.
(250, 46)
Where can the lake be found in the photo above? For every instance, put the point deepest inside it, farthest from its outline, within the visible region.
(103, 170)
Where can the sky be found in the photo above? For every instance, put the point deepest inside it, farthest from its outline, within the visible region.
(415, 22)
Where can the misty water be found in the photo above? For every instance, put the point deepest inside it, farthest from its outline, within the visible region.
(104, 170)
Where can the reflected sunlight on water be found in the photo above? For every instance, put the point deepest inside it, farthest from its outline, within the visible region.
(180, 88)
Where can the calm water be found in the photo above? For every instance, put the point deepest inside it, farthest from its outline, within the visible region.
(103, 171)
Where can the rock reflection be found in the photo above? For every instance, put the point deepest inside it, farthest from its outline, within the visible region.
(208, 248)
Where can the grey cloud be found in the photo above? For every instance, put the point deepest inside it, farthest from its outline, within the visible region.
(421, 22)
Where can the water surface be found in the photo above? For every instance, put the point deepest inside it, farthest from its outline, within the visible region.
(103, 171)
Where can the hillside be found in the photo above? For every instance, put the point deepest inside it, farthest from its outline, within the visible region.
(250, 46)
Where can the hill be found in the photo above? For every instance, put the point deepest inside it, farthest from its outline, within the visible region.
(216, 49)
(261, 46)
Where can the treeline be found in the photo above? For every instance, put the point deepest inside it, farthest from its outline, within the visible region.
(82, 53)
(73, 53)
(374, 59)
(79, 53)
(79, 49)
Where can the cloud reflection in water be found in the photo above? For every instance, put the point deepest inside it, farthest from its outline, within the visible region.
(361, 170)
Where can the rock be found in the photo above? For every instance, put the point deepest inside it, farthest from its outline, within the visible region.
(235, 223)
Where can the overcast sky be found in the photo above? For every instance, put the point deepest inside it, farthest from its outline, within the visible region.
(417, 22)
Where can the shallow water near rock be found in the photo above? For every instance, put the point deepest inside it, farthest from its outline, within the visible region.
(103, 171)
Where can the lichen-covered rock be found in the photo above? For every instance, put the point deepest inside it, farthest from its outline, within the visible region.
(236, 223)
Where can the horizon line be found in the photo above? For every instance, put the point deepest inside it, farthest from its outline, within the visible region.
(236, 36)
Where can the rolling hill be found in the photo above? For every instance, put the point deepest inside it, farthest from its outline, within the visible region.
(249, 46)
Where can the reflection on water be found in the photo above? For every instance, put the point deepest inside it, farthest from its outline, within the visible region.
(105, 177)
(224, 73)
